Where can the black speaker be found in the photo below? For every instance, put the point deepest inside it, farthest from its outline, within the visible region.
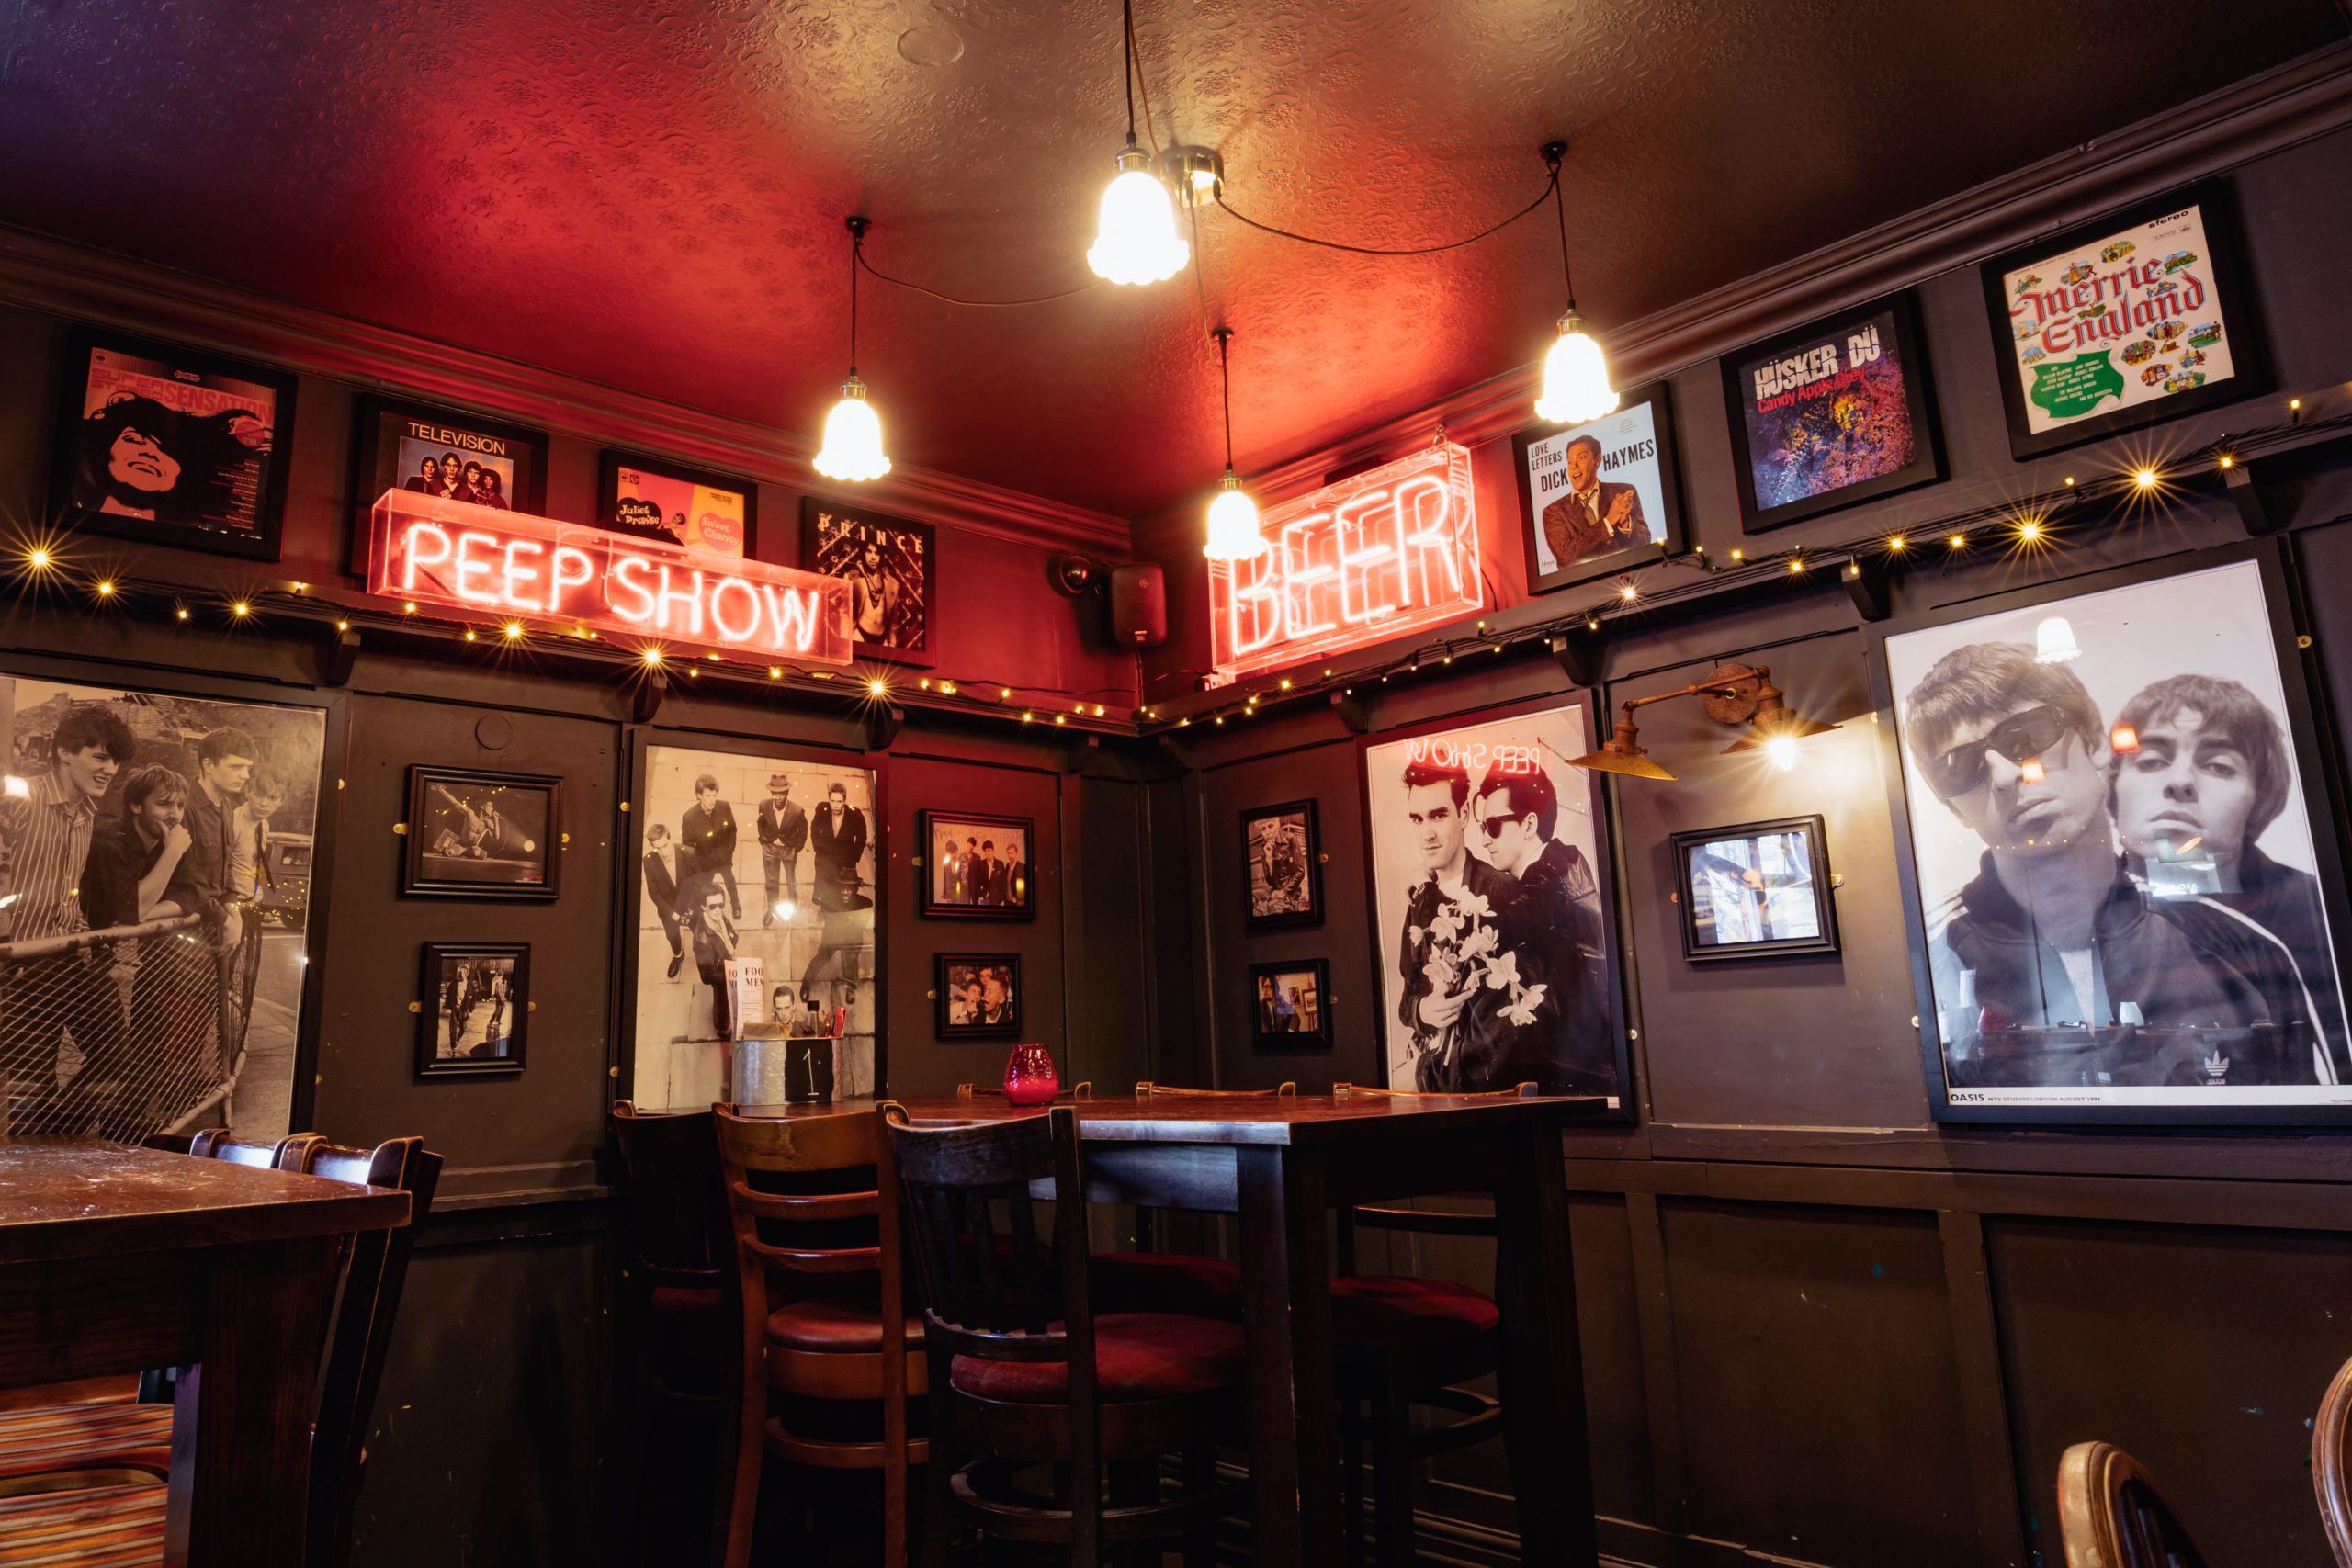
(1138, 605)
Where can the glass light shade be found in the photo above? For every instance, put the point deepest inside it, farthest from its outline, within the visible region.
(1137, 241)
(1576, 377)
(2053, 641)
(853, 448)
(1233, 525)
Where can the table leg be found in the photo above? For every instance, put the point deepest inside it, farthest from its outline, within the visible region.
(240, 1425)
(1294, 1411)
(1542, 1370)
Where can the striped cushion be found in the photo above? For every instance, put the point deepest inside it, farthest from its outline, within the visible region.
(107, 1527)
(116, 1434)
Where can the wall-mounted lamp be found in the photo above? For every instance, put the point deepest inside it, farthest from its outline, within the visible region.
(1732, 693)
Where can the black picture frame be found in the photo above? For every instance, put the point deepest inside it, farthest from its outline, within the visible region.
(831, 535)
(1267, 1029)
(1252, 866)
(611, 460)
(2308, 745)
(377, 463)
(931, 898)
(951, 970)
(1824, 904)
(214, 447)
(2233, 309)
(433, 1011)
(1900, 313)
(1652, 404)
(427, 873)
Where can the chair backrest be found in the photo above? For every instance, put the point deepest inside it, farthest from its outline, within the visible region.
(286, 1153)
(2111, 1515)
(2331, 1467)
(797, 1233)
(674, 1199)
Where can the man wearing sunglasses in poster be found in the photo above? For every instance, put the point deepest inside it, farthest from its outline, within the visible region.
(2052, 968)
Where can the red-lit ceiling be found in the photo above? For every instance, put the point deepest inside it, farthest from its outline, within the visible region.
(650, 195)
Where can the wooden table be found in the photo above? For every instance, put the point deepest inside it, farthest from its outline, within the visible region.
(116, 1259)
(1278, 1165)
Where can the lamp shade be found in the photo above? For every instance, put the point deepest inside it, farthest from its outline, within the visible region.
(1233, 525)
(2053, 641)
(1137, 241)
(853, 448)
(1622, 754)
(1576, 377)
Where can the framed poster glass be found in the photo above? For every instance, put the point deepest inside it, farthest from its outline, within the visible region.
(445, 453)
(891, 565)
(1601, 497)
(1283, 849)
(475, 834)
(1758, 890)
(978, 867)
(474, 1007)
(1290, 1006)
(655, 497)
(978, 995)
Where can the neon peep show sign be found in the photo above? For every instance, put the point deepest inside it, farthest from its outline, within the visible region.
(1371, 557)
(432, 550)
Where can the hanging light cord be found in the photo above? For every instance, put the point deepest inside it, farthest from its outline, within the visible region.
(1127, 62)
(856, 253)
(1550, 186)
(873, 272)
(1224, 336)
(1560, 203)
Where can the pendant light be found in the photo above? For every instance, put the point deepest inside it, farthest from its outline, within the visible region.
(853, 448)
(1233, 516)
(1575, 376)
(1136, 242)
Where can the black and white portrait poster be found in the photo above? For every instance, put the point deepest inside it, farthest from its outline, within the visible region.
(155, 858)
(1491, 921)
(890, 564)
(743, 857)
(2114, 853)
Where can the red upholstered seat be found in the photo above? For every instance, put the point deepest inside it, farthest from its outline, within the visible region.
(1137, 1355)
(104, 1526)
(105, 1434)
(1400, 1312)
(834, 1328)
(1165, 1281)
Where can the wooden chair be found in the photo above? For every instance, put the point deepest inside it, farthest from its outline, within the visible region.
(1154, 1279)
(2332, 1466)
(2111, 1515)
(1023, 1373)
(822, 1321)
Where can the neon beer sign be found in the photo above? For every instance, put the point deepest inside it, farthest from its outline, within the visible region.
(431, 550)
(1371, 557)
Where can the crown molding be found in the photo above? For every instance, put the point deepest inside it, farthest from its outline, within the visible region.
(59, 278)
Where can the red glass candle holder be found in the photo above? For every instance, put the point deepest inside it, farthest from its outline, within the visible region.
(1030, 1077)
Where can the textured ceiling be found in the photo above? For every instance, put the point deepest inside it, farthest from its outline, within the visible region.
(650, 195)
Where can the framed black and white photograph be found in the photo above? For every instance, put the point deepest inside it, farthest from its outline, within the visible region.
(1493, 908)
(444, 452)
(2117, 850)
(1839, 411)
(978, 995)
(1602, 497)
(1283, 851)
(892, 567)
(2138, 317)
(474, 1008)
(977, 867)
(473, 834)
(676, 504)
(172, 446)
(1757, 890)
(1290, 1006)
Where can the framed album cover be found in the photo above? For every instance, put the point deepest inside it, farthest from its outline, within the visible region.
(891, 566)
(171, 446)
(473, 1008)
(481, 835)
(978, 995)
(2136, 318)
(655, 497)
(1283, 851)
(1601, 497)
(1290, 1006)
(2116, 847)
(1839, 412)
(442, 451)
(1758, 890)
(977, 867)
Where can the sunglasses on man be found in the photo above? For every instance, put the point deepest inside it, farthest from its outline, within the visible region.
(2021, 738)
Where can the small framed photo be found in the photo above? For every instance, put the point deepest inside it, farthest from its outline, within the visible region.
(481, 835)
(978, 995)
(891, 565)
(1758, 890)
(977, 867)
(1601, 497)
(1283, 851)
(654, 498)
(172, 446)
(445, 453)
(1290, 1006)
(2134, 319)
(1839, 412)
(474, 1009)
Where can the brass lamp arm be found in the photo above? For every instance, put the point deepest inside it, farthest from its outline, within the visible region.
(1745, 684)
